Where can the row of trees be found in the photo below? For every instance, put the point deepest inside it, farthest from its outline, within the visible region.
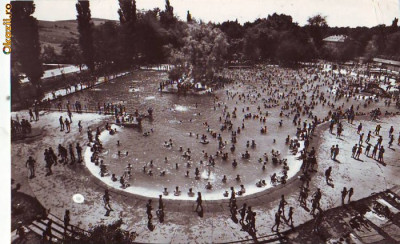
(196, 48)
(139, 37)
(278, 38)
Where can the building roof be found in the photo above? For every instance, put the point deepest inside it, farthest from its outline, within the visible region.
(387, 61)
(335, 38)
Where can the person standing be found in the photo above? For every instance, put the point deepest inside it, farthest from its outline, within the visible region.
(47, 235)
(242, 213)
(359, 151)
(336, 152)
(69, 114)
(379, 142)
(48, 158)
(360, 141)
(160, 202)
(344, 194)
(31, 117)
(282, 204)
(391, 130)
(391, 140)
(290, 217)
(61, 123)
(398, 140)
(332, 152)
(303, 197)
(253, 222)
(359, 128)
(68, 125)
(233, 195)
(79, 152)
(233, 208)
(66, 220)
(148, 210)
(160, 214)
(374, 151)
(106, 199)
(380, 155)
(249, 214)
(199, 202)
(328, 175)
(36, 113)
(314, 206)
(30, 163)
(80, 126)
(368, 137)
(351, 191)
(277, 221)
(377, 129)
(318, 220)
(353, 151)
(367, 149)
(71, 153)
(317, 197)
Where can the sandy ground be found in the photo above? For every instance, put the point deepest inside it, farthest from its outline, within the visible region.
(55, 192)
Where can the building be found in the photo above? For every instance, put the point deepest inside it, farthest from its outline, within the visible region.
(335, 41)
(387, 64)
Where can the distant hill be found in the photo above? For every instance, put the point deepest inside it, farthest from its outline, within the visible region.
(53, 33)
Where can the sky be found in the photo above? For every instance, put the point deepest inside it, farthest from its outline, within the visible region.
(351, 13)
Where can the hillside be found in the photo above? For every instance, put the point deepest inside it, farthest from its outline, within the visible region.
(53, 33)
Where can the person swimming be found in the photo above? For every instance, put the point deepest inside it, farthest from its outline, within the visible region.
(177, 192)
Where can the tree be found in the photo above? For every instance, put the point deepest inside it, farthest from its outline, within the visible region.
(106, 44)
(85, 28)
(371, 50)
(70, 52)
(262, 37)
(317, 20)
(395, 23)
(25, 56)
(127, 37)
(393, 46)
(316, 28)
(261, 40)
(109, 234)
(188, 17)
(279, 22)
(293, 47)
(204, 51)
(151, 37)
(15, 81)
(127, 11)
(49, 55)
(167, 18)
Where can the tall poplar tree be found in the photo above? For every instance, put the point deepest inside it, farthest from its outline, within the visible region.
(167, 17)
(128, 34)
(85, 28)
(127, 11)
(25, 55)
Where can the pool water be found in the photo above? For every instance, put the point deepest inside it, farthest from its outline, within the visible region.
(176, 117)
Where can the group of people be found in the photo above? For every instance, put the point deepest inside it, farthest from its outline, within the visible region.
(247, 215)
(280, 214)
(296, 93)
(22, 127)
(51, 158)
